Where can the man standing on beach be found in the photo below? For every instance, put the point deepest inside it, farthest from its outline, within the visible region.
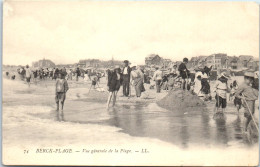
(184, 73)
(157, 77)
(77, 74)
(56, 72)
(61, 90)
(126, 78)
(28, 75)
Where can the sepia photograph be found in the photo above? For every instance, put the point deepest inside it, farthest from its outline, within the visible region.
(130, 83)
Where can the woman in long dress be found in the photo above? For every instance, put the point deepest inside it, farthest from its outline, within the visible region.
(205, 89)
(137, 79)
(197, 81)
(113, 84)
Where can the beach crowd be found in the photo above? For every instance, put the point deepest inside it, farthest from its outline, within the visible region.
(133, 76)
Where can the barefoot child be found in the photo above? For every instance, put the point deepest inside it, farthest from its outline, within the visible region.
(221, 89)
(113, 84)
(237, 101)
(94, 81)
(249, 95)
(61, 89)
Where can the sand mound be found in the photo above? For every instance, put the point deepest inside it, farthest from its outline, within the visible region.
(181, 100)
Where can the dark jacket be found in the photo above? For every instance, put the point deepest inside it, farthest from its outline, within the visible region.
(183, 70)
(207, 70)
(128, 70)
(112, 78)
(78, 72)
(112, 82)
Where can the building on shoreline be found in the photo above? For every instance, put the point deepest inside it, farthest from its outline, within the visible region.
(253, 64)
(153, 59)
(44, 63)
(234, 63)
(223, 61)
(95, 63)
(156, 60)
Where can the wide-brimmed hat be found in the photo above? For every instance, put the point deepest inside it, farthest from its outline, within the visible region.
(224, 74)
(249, 74)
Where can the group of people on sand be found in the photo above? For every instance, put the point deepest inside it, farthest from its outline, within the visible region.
(25, 74)
(39, 74)
(199, 84)
(179, 77)
(242, 95)
(127, 77)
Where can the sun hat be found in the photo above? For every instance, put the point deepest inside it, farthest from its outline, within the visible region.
(224, 74)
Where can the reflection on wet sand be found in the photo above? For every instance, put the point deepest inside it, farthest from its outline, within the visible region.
(60, 116)
(143, 119)
(238, 128)
(184, 133)
(205, 119)
(221, 132)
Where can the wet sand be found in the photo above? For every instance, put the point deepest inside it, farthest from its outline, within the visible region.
(29, 115)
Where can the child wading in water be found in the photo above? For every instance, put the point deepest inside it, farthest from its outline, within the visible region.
(61, 89)
(249, 94)
(221, 89)
(237, 101)
(113, 84)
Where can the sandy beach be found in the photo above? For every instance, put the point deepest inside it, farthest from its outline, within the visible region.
(134, 124)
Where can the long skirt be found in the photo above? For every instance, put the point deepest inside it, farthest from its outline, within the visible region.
(205, 86)
(138, 87)
(197, 87)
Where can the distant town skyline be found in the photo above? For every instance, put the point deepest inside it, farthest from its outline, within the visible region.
(68, 31)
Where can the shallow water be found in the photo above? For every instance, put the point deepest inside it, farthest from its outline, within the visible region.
(140, 119)
(148, 120)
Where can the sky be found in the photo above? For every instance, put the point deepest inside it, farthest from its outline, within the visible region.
(67, 31)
